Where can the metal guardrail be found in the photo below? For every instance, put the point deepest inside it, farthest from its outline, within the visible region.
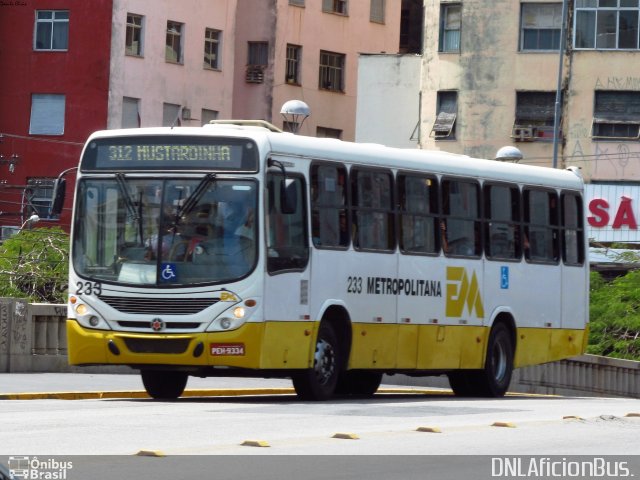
(33, 339)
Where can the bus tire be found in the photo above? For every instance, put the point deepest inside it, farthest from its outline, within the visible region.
(319, 382)
(494, 379)
(164, 385)
(361, 383)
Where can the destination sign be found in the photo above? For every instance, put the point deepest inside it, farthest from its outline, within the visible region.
(170, 153)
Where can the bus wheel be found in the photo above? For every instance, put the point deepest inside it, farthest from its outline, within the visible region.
(319, 382)
(361, 383)
(498, 366)
(493, 380)
(164, 385)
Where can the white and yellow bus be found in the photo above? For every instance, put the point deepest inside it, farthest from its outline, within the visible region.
(239, 250)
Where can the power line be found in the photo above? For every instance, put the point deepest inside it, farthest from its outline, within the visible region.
(38, 139)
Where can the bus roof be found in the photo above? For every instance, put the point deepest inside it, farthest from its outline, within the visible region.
(436, 162)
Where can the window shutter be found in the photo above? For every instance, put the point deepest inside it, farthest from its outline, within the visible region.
(47, 114)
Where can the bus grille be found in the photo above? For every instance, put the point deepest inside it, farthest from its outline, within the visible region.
(158, 306)
(164, 345)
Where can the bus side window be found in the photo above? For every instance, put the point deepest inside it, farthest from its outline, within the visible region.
(541, 225)
(503, 230)
(287, 245)
(329, 227)
(418, 199)
(372, 208)
(460, 224)
(572, 229)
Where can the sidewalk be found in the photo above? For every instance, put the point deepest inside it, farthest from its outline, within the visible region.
(76, 386)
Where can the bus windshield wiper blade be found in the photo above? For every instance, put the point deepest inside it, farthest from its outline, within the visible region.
(131, 207)
(124, 190)
(193, 199)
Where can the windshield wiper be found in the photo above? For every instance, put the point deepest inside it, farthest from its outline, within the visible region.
(131, 207)
(193, 199)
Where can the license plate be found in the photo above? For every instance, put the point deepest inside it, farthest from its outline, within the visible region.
(226, 349)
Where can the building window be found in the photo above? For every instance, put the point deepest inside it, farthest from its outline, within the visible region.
(208, 115)
(535, 113)
(39, 195)
(52, 30)
(332, 71)
(606, 24)
(450, 25)
(47, 114)
(326, 132)
(616, 115)
(540, 28)
(335, 6)
(171, 115)
(130, 112)
(257, 61)
(297, 3)
(173, 50)
(211, 48)
(376, 13)
(447, 111)
(294, 56)
(134, 35)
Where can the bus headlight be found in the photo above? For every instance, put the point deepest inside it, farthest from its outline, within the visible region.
(234, 317)
(89, 318)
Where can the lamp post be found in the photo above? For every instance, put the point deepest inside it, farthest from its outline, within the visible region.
(294, 112)
(557, 112)
(35, 218)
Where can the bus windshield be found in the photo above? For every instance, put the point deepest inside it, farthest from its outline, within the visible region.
(165, 232)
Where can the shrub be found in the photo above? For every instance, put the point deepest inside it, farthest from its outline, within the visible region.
(34, 265)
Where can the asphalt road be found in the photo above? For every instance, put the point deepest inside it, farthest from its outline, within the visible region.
(238, 428)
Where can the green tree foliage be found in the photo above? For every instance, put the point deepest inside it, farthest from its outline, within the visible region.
(34, 265)
(615, 316)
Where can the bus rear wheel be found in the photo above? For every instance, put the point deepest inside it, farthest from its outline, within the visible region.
(319, 382)
(164, 385)
(361, 383)
(494, 379)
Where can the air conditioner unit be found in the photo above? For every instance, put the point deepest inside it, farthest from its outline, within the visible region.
(186, 113)
(523, 134)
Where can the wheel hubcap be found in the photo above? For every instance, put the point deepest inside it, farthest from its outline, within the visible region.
(324, 364)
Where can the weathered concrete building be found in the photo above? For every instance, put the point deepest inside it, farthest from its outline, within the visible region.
(490, 75)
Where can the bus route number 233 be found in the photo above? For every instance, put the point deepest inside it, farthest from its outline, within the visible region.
(88, 288)
(354, 285)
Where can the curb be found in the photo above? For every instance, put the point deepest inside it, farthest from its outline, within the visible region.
(235, 392)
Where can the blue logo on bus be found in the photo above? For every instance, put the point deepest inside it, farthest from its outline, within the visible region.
(504, 278)
(168, 272)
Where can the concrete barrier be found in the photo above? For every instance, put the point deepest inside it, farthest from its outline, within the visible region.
(33, 339)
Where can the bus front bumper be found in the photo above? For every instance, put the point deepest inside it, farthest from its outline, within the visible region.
(258, 345)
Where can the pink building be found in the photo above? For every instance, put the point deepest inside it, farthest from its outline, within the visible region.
(308, 50)
(142, 63)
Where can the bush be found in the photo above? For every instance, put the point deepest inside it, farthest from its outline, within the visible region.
(615, 316)
(34, 265)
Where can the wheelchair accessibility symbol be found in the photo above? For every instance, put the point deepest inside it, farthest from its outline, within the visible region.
(168, 272)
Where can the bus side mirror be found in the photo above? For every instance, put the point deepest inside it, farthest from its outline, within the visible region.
(59, 190)
(288, 196)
